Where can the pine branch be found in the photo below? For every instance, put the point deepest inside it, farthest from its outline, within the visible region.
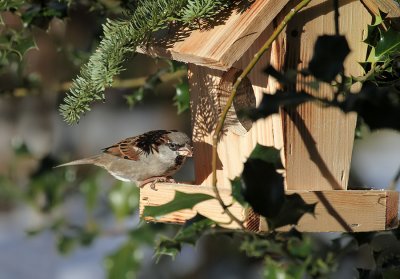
(6, 5)
(121, 38)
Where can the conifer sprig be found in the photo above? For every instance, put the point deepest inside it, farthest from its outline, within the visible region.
(122, 37)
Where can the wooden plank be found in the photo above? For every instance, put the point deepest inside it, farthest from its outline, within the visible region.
(357, 211)
(211, 209)
(318, 141)
(351, 211)
(222, 45)
(391, 7)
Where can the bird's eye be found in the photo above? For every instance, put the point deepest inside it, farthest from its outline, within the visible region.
(173, 146)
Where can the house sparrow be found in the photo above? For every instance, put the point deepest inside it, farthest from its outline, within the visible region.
(148, 158)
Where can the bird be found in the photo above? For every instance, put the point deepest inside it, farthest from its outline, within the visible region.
(151, 157)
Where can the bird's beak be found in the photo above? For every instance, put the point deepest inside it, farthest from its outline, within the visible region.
(186, 151)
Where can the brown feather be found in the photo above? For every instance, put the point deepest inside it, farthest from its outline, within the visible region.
(131, 148)
(124, 149)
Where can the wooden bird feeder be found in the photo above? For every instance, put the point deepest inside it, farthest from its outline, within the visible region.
(317, 141)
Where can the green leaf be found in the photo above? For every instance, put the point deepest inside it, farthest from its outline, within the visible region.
(237, 191)
(11, 4)
(378, 106)
(189, 233)
(274, 270)
(372, 36)
(124, 262)
(378, 19)
(263, 187)
(300, 248)
(193, 228)
(65, 244)
(90, 190)
(86, 237)
(371, 59)
(268, 154)
(135, 98)
(373, 29)
(127, 259)
(167, 247)
(23, 45)
(182, 98)
(389, 43)
(179, 202)
(257, 247)
(123, 199)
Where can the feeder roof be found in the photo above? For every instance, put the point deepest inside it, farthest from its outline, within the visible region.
(218, 46)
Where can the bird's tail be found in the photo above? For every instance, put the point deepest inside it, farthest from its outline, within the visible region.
(85, 161)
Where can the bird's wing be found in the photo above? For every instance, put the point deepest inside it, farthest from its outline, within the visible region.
(131, 148)
(125, 149)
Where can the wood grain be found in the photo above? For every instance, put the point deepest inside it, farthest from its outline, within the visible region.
(211, 208)
(318, 141)
(357, 211)
(233, 149)
(354, 211)
(222, 45)
(388, 6)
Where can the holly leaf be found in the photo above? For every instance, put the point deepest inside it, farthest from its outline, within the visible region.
(378, 106)
(193, 228)
(189, 233)
(263, 187)
(378, 19)
(268, 154)
(180, 201)
(388, 43)
(237, 191)
(330, 52)
(292, 209)
(373, 33)
(23, 45)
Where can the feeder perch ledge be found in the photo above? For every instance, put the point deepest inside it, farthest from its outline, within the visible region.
(317, 142)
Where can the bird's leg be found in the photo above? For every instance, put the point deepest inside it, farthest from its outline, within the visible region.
(154, 180)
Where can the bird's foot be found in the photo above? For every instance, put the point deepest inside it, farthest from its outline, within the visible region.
(154, 180)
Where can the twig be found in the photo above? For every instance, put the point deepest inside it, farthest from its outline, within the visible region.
(336, 8)
(222, 118)
(118, 83)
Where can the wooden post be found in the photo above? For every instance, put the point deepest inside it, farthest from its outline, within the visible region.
(319, 141)
(235, 146)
